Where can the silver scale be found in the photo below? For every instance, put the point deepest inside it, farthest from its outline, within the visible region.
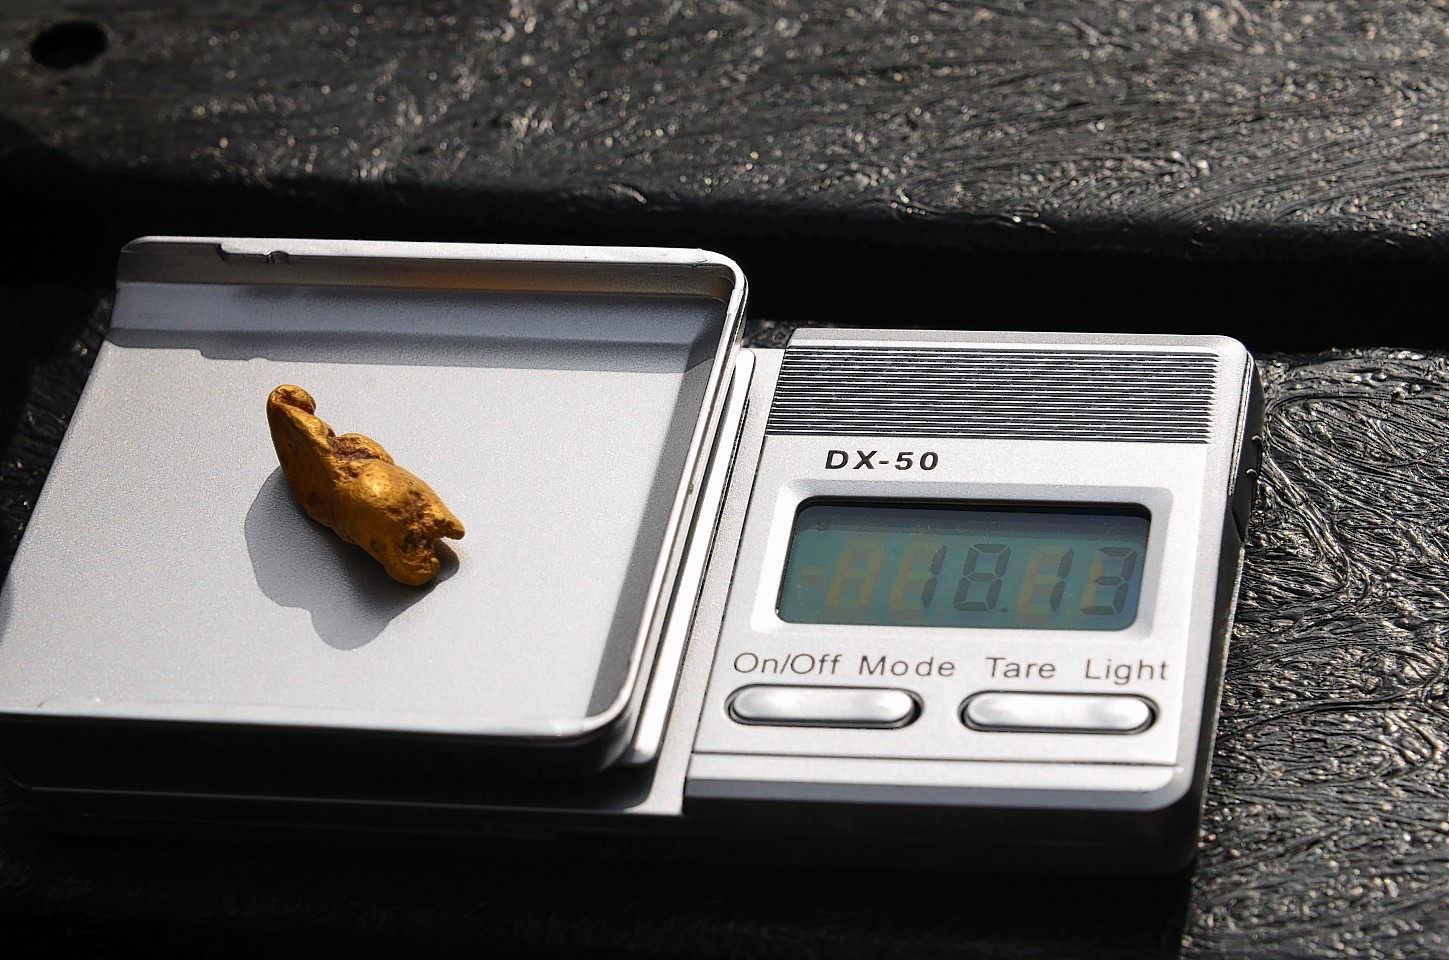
(903, 587)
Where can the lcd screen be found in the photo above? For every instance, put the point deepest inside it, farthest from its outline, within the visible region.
(965, 565)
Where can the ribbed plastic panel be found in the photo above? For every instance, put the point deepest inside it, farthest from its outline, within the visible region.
(995, 393)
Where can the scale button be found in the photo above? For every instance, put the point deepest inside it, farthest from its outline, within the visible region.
(823, 706)
(1058, 712)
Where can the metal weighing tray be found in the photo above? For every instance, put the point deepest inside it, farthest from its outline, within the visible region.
(560, 400)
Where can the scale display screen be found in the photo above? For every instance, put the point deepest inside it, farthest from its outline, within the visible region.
(962, 565)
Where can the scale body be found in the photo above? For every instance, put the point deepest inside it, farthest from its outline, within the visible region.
(769, 673)
(1085, 743)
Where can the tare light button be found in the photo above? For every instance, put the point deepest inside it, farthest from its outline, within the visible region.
(1057, 712)
(799, 706)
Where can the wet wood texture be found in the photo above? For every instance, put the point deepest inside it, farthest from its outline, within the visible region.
(1274, 171)
(849, 155)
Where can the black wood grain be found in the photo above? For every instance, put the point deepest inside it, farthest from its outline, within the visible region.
(1328, 822)
(1036, 124)
(1171, 165)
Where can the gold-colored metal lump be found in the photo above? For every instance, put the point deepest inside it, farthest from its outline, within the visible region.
(351, 484)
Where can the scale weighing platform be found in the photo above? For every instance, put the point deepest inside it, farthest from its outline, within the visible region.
(894, 589)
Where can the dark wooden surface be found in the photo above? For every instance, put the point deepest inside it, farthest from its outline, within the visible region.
(1062, 162)
(1273, 171)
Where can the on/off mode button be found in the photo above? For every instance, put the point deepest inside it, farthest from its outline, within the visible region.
(789, 706)
(1057, 712)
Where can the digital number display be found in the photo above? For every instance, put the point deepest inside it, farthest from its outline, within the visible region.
(1004, 567)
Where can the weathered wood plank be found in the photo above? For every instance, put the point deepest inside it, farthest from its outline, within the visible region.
(1149, 125)
(928, 161)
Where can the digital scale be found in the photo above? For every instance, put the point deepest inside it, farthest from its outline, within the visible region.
(882, 591)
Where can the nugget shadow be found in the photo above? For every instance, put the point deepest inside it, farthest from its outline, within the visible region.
(300, 563)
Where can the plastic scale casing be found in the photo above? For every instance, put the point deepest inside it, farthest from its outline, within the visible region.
(1168, 425)
(171, 605)
(629, 476)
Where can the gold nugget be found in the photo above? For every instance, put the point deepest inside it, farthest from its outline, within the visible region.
(351, 484)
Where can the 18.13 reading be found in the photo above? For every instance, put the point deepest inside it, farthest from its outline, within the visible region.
(964, 565)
